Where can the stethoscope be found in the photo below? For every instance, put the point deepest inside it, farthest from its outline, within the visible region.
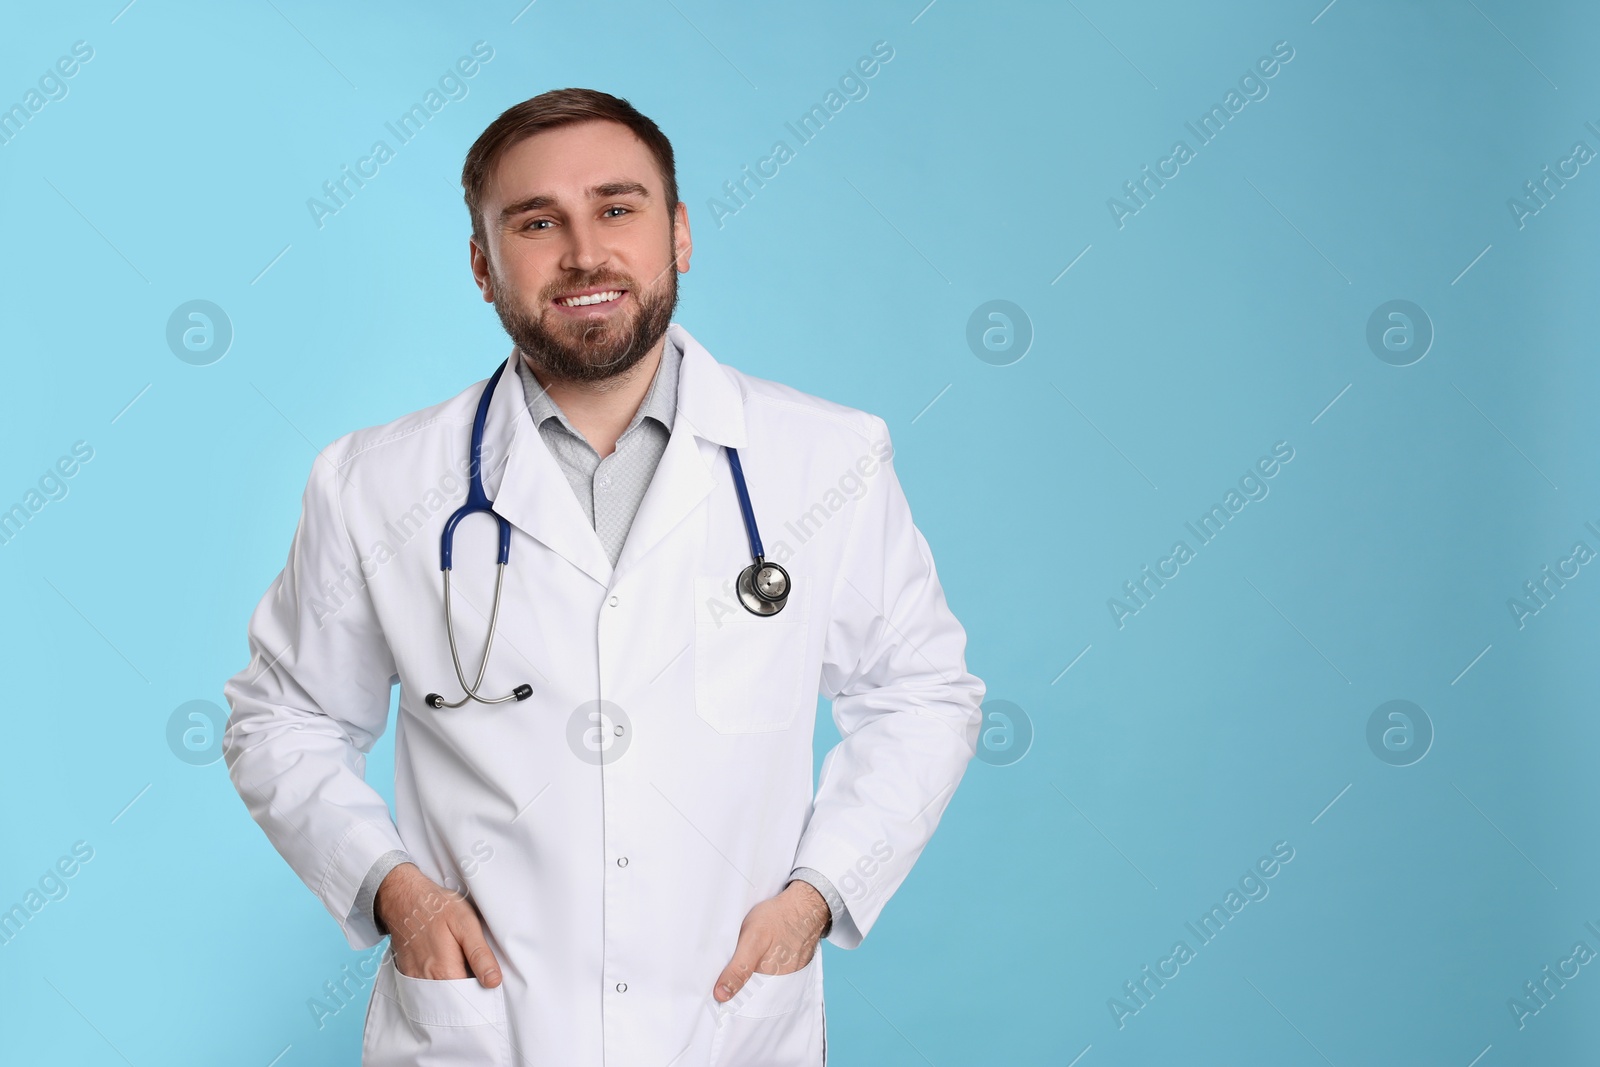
(763, 586)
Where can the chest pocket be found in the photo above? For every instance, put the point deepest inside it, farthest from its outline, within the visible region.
(749, 670)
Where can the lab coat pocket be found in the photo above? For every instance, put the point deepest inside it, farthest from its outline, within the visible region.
(420, 1022)
(775, 1020)
(749, 669)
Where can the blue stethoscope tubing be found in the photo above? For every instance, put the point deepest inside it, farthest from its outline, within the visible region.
(763, 586)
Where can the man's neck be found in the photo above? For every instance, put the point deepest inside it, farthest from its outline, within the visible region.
(602, 410)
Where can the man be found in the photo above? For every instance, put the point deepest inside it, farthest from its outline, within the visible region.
(625, 864)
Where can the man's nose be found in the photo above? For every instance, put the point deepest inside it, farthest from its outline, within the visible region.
(586, 248)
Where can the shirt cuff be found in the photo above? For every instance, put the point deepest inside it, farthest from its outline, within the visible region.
(367, 895)
(819, 881)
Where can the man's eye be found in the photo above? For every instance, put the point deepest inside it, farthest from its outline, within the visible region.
(534, 222)
(618, 208)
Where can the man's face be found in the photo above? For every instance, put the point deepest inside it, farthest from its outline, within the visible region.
(580, 211)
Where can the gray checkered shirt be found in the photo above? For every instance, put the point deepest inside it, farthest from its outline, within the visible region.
(610, 491)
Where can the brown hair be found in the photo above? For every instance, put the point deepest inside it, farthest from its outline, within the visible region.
(547, 111)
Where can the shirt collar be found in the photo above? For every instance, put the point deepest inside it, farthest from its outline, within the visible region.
(660, 401)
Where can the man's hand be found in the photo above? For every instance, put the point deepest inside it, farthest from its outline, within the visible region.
(433, 932)
(777, 937)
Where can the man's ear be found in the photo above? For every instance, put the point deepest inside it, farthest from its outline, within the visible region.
(479, 260)
(683, 245)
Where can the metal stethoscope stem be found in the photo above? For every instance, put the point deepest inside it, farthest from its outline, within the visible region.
(521, 692)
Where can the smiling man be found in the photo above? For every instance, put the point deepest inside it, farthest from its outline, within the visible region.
(608, 848)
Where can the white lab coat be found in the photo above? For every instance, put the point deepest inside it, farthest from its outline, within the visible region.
(612, 858)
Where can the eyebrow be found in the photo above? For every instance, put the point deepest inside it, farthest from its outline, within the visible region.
(596, 192)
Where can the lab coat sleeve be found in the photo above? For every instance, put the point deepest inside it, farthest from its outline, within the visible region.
(894, 665)
(309, 706)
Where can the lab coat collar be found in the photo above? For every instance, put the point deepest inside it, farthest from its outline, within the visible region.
(708, 397)
(530, 491)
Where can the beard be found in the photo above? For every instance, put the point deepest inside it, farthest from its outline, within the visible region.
(584, 349)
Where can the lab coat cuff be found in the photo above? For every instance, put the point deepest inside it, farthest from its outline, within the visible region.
(367, 899)
(820, 853)
(819, 881)
(352, 861)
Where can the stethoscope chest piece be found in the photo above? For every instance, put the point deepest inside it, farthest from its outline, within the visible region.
(763, 587)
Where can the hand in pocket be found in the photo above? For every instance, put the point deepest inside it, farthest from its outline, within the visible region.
(434, 933)
(777, 937)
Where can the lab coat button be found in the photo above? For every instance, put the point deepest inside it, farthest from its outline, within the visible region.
(622, 861)
(622, 987)
(612, 601)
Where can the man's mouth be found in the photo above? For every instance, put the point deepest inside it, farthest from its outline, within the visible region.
(591, 299)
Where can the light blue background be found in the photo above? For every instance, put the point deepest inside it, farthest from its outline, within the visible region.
(1222, 318)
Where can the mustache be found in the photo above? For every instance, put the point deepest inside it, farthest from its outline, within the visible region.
(604, 281)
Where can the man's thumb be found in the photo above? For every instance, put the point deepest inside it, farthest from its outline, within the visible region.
(733, 977)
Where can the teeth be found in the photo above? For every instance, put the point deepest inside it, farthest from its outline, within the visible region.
(592, 298)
